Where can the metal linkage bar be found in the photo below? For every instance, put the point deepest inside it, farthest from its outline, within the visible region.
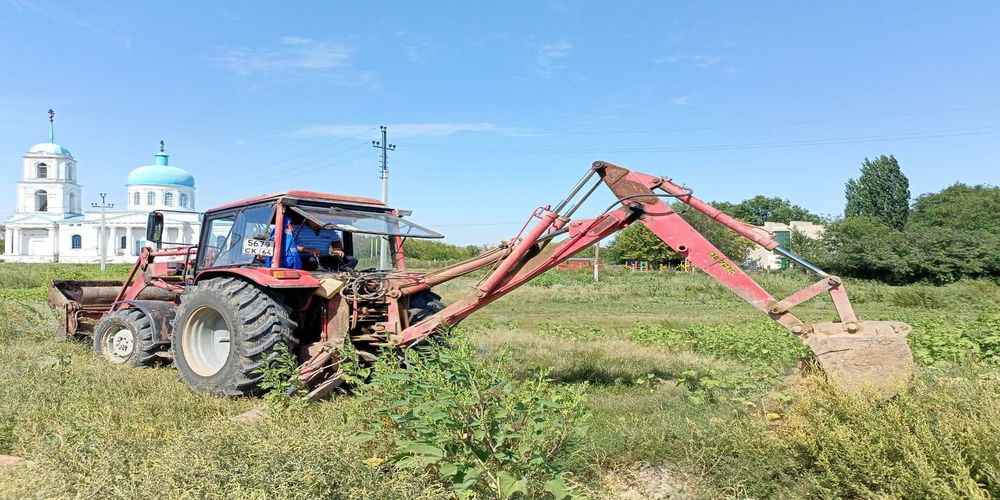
(802, 262)
(576, 189)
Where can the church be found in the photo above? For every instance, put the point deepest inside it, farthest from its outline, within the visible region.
(50, 225)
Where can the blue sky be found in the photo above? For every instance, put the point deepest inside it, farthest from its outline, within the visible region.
(499, 109)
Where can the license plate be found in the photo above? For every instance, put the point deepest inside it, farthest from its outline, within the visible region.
(264, 248)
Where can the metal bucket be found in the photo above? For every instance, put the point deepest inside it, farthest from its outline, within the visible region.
(82, 304)
(863, 354)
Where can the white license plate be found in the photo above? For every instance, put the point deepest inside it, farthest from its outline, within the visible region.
(264, 248)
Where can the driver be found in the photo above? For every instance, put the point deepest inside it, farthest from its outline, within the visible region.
(322, 247)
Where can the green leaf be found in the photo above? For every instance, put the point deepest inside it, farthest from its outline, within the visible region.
(361, 437)
(448, 469)
(557, 488)
(509, 485)
(420, 448)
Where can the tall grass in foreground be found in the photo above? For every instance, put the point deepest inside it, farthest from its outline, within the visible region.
(630, 343)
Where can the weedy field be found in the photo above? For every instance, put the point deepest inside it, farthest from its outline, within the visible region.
(639, 386)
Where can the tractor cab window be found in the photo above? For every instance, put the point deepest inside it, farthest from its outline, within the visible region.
(357, 221)
(365, 233)
(243, 238)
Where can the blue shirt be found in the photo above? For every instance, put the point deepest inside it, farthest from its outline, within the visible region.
(308, 237)
(289, 255)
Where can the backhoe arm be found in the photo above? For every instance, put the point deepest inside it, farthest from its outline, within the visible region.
(854, 352)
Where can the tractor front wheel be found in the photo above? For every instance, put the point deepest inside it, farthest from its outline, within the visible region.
(225, 331)
(125, 337)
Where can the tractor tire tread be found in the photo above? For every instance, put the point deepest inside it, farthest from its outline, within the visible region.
(263, 327)
(145, 351)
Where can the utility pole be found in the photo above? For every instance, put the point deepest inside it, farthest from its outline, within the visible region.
(103, 240)
(597, 261)
(383, 253)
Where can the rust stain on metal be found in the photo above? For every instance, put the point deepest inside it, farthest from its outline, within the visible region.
(615, 178)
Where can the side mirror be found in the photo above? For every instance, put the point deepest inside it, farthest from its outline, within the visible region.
(154, 227)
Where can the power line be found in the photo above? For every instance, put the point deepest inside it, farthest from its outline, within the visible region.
(768, 125)
(296, 174)
(478, 224)
(306, 153)
(901, 136)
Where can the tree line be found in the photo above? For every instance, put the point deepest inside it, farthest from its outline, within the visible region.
(937, 238)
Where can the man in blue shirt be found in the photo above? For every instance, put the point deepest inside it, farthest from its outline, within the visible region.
(290, 253)
(322, 247)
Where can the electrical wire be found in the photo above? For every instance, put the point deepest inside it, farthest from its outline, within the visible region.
(688, 192)
(287, 175)
(306, 153)
(768, 125)
(900, 136)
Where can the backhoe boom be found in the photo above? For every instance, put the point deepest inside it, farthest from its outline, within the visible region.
(850, 351)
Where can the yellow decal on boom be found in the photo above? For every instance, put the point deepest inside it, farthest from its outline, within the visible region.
(728, 266)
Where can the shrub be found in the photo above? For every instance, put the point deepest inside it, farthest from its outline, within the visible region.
(467, 423)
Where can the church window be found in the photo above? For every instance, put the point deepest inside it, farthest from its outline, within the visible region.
(151, 198)
(136, 198)
(41, 171)
(72, 203)
(184, 200)
(168, 199)
(77, 241)
(41, 201)
(123, 243)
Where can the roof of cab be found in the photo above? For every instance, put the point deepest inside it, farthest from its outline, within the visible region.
(304, 195)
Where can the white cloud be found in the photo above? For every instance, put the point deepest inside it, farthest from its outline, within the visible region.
(418, 52)
(682, 100)
(292, 53)
(402, 129)
(550, 57)
(698, 60)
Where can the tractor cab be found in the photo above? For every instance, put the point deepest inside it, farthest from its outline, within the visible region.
(317, 232)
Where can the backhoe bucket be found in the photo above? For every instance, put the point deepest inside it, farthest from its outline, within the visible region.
(875, 355)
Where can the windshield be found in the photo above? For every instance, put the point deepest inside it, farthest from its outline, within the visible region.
(230, 237)
(356, 221)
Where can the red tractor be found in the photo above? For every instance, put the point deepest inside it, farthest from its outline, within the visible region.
(222, 310)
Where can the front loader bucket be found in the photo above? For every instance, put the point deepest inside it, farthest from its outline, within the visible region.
(874, 355)
(81, 304)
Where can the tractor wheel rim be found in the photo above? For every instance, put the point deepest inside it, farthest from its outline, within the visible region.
(206, 341)
(121, 344)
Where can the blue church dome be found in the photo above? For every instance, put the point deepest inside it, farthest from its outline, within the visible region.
(161, 174)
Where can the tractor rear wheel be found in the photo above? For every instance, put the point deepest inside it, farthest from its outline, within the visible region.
(225, 331)
(125, 337)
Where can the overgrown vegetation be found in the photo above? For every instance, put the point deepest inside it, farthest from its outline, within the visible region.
(579, 380)
(950, 235)
(467, 423)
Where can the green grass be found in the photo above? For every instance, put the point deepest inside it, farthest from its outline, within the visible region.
(676, 370)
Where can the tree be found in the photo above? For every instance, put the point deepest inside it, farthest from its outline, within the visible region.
(761, 209)
(636, 242)
(881, 192)
(959, 206)
(864, 247)
(955, 234)
(944, 255)
(421, 249)
(3, 238)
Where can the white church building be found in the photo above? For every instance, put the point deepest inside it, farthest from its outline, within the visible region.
(50, 225)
